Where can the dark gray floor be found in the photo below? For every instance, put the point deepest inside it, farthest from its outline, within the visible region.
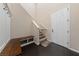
(52, 50)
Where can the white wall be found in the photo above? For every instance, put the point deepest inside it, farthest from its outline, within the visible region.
(44, 10)
(74, 11)
(30, 8)
(21, 21)
(4, 28)
(41, 12)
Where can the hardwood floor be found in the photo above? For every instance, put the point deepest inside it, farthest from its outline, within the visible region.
(52, 50)
(12, 48)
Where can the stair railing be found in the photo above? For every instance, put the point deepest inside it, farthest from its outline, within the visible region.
(36, 28)
(35, 32)
(44, 30)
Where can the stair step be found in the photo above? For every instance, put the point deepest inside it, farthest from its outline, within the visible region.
(43, 36)
(45, 43)
(43, 39)
(40, 33)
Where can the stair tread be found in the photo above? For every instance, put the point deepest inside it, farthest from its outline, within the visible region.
(43, 39)
(42, 36)
(45, 43)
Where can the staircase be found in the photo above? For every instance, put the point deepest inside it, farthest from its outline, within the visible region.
(40, 34)
(43, 38)
(30, 39)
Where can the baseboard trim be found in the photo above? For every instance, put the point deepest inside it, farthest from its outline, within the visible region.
(3, 46)
(73, 50)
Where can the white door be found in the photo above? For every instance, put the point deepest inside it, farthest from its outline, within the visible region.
(60, 22)
(4, 27)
